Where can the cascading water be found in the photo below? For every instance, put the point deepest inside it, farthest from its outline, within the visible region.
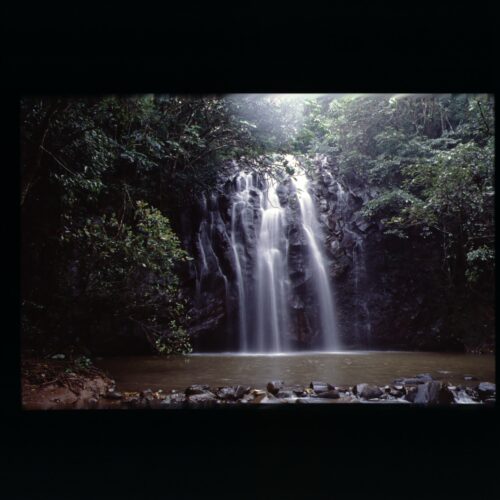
(259, 244)
(322, 286)
(241, 219)
(272, 273)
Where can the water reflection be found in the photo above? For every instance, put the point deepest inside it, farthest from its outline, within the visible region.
(178, 372)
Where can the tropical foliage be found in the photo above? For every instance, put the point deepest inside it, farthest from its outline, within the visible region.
(102, 179)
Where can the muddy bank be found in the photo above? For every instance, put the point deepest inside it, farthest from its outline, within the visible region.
(61, 384)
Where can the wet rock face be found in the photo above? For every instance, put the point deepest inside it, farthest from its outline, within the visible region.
(382, 299)
(221, 233)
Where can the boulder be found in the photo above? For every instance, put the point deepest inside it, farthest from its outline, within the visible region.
(486, 389)
(134, 402)
(196, 389)
(319, 387)
(174, 399)
(446, 395)
(206, 398)
(397, 391)
(426, 377)
(226, 393)
(331, 394)
(428, 393)
(232, 393)
(240, 391)
(299, 391)
(411, 392)
(257, 392)
(368, 391)
(274, 386)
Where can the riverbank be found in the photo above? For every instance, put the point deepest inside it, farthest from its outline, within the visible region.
(76, 384)
(62, 383)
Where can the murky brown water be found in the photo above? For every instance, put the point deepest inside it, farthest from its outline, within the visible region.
(178, 372)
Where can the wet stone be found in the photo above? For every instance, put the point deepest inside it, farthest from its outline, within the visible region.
(486, 389)
(285, 394)
(134, 402)
(446, 395)
(397, 391)
(319, 387)
(174, 399)
(428, 393)
(411, 392)
(205, 398)
(232, 393)
(332, 394)
(471, 392)
(299, 391)
(274, 386)
(470, 377)
(240, 391)
(196, 389)
(368, 391)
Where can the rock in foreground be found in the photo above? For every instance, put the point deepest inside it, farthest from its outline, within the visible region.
(93, 390)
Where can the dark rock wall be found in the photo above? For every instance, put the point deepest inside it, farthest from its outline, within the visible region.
(383, 286)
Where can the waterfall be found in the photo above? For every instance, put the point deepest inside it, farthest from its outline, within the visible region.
(272, 273)
(240, 215)
(321, 280)
(260, 216)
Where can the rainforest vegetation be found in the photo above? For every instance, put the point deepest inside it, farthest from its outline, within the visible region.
(103, 179)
